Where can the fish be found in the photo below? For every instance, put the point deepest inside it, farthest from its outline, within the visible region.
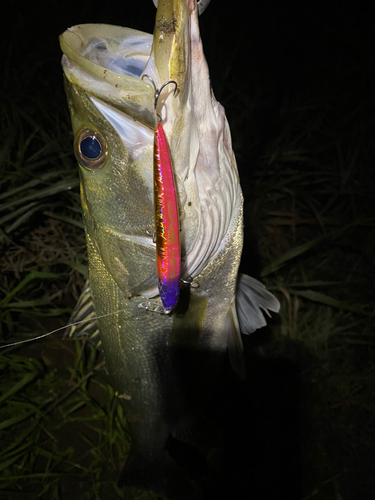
(161, 362)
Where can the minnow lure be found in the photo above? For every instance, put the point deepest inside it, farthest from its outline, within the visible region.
(167, 227)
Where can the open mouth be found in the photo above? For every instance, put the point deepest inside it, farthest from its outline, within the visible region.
(127, 56)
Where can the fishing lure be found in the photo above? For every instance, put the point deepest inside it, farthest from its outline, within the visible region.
(167, 228)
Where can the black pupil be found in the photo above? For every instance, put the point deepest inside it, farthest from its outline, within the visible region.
(90, 148)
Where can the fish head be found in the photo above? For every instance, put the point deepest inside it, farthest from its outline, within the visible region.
(112, 107)
(113, 120)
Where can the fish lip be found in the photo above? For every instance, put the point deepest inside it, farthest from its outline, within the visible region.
(170, 55)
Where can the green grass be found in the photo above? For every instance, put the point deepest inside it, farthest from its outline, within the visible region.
(309, 207)
(62, 431)
(56, 435)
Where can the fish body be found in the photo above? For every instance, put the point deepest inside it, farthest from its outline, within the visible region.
(161, 365)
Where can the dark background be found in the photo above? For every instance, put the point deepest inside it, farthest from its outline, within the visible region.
(260, 54)
(277, 44)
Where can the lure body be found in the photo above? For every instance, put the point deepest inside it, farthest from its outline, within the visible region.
(166, 223)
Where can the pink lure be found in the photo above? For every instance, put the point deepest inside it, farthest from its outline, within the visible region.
(166, 223)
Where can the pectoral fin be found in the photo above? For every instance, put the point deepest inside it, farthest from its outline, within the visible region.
(82, 322)
(251, 298)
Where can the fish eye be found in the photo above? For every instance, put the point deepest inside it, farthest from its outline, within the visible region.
(91, 149)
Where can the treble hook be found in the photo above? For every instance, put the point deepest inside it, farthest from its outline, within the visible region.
(159, 91)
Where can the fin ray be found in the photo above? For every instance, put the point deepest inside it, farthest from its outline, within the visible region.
(252, 299)
(84, 314)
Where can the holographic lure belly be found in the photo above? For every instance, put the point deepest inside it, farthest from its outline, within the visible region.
(166, 223)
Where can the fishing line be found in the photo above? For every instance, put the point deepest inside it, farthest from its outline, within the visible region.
(61, 328)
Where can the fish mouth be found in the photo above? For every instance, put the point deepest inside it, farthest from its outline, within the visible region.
(108, 61)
